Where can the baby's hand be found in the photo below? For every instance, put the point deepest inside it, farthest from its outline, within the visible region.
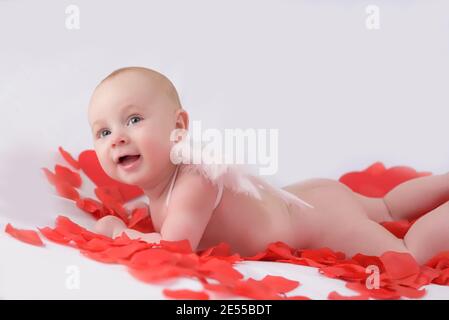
(130, 207)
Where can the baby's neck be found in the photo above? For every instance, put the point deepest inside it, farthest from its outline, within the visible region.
(160, 189)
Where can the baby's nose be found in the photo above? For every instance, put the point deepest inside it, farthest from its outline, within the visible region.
(119, 140)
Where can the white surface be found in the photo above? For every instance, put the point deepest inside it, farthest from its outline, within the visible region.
(341, 96)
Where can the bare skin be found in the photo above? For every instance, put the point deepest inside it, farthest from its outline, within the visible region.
(340, 218)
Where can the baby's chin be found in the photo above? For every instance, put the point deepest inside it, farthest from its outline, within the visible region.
(132, 179)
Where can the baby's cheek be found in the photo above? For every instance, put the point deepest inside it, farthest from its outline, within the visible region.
(157, 153)
(108, 167)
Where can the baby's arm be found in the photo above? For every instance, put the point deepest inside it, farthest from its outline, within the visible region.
(190, 208)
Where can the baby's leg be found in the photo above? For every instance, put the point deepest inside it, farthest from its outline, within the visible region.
(363, 236)
(415, 197)
(429, 235)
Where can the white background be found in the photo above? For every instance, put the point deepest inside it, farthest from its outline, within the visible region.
(342, 96)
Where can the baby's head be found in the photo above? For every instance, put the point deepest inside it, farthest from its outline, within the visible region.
(134, 111)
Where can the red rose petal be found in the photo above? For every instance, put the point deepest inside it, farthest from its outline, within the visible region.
(336, 296)
(349, 272)
(28, 236)
(65, 174)
(256, 290)
(399, 265)
(186, 294)
(220, 270)
(91, 206)
(54, 236)
(398, 228)
(280, 284)
(380, 293)
(297, 298)
(151, 258)
(152, 275)
(109, 198)
(90, 165)
(68, 157)
(65, 190)
(409, 292)
(182, 246)
(137, 216)
(51, 177)
(440, 261)
(221, 251)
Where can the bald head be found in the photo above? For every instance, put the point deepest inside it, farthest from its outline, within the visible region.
(156, 81)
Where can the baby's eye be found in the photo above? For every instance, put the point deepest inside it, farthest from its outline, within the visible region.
(136, 118)
(100, 133)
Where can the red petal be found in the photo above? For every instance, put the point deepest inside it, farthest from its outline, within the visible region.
(443, 278)
(349, 272)
(51, 177)
(91, 166)
(109, 198)
(380, 293)
(279, 250)
(65, 223)
(440, 261)
(151, 258)
(182, 246)
(409, 292)
(137, 216)
(65, 190)
(322, 255)
(221, 271)
(280, 284)
(221, 251)
(68, 157)
(151, 275)
(186, 294)
(54, 236)
(399, 265)
(336, 296)
(91, 206)
(398, 228)
(28, 236)
(65, 174)
(255, 289)
(297, 298)
(366, 261)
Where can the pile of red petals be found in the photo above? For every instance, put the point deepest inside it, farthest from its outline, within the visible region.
(390, 276)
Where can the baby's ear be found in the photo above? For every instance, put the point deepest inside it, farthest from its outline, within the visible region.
(182, 119)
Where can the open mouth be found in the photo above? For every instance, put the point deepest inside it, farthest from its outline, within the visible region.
(128, 159)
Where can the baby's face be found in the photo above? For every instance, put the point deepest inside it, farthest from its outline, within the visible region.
(131, 115)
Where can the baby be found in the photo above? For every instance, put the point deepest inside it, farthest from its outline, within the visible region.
(133, 113)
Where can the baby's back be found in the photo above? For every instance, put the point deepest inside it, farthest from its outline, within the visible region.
(248, 223)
